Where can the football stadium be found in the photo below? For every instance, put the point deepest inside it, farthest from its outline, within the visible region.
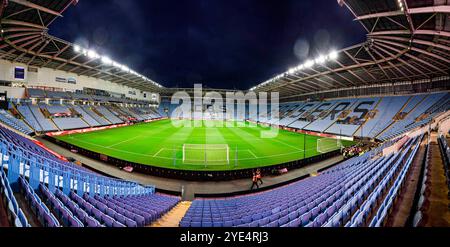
(353, 136)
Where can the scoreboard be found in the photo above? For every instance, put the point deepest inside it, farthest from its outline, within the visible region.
(3, 101)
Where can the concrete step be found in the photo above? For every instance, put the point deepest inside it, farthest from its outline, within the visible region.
(174, 216)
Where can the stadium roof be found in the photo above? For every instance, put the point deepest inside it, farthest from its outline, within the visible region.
(25, 39)
(406, 41)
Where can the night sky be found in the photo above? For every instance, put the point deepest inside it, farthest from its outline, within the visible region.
(232, 44)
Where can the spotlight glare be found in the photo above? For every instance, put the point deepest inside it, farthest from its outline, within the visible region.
(292, 71)
(321, 59)
(106, 60)
(309, 64)
(333, 55)
(92, 54)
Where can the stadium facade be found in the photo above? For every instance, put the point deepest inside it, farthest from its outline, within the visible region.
(70, 117)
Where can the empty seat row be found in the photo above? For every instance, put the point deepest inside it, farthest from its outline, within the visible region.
(17, 124)
(15, 215)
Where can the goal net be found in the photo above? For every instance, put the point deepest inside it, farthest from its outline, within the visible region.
(206, 154)
(326, 145)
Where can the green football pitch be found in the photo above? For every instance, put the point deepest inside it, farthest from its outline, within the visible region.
(161, 144)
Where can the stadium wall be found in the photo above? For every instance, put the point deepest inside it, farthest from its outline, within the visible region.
(46, 77)
(14, 92)
(444, 126)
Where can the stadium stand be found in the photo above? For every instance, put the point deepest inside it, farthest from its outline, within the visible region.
(43, 121)
(108, 115)
(359, 130)
(14, 213)
(100, 119)
(427, 109)
(36, 93)
(385, 112)
(355, 119)
(344, 196)
(57, 95)
(29, 117)
(86, 117)
(54, 205)
(18, 124)
(377, 116)
(293, 119)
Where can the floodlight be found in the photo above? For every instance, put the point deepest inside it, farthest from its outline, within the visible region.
(309, 64)
(106, 60)
(333, 55)
(125, 68)
(92, 54)
(292, 71)
(321, 59)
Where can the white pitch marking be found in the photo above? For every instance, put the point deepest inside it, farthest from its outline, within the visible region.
(145, 155)
(117, 144)
(162, 149)
(294, 147)
(250, 151)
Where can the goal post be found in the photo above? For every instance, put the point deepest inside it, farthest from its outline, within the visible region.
(206, 154)
(326, 145)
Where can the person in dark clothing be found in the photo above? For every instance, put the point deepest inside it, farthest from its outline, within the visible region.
(255, 182)
(259, 176)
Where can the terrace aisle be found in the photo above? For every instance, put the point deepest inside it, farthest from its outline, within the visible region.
(403, 205)
(437, 213)
(174, 216)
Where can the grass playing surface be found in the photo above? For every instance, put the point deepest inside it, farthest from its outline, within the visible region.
(161, 144)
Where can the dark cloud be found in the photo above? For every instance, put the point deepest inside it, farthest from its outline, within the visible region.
(221, 43)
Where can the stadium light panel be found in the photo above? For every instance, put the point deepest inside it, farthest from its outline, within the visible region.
(106, 60)
(321, 59)
(125, 68)
(92, 54)
(309, 64)
(292, 71)
(333, 55)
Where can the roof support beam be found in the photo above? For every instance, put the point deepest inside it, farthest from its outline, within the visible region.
(417, 50)
(358, 63)
(401, 60)
(423, 10)
(37, 7)
(429, 65)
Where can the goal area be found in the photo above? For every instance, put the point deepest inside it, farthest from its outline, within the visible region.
(326, 145)
(206, 154)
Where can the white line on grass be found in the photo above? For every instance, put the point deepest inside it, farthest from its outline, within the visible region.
(117, 144)
(250, 151)
(289, 145)
(167, 158)
(162, 149)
